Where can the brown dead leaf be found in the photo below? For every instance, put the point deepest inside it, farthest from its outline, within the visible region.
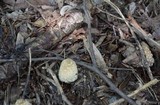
(135, 24)
(77, 34)
(99, 58)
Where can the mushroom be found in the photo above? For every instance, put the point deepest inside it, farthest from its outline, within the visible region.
(22, 102)
(148, 54)
(68, 71)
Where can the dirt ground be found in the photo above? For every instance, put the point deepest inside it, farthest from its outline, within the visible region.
(79, 52)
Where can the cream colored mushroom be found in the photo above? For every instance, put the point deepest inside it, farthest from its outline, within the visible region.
(148, 54)
(22, 102)
(68, 71)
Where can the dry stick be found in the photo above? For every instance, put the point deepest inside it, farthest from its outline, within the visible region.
(110, 84)
(30, 4)
(153, 43)
(7, 95)
(55, 83)
(89, 37)
(145, 86)
(144, 60)
(141, 50)
(150, 90)
(142, 34)
(12, 32)
(109, 13)
(107, 80)
(89, 67)
(45, 77)
(58, 84)
(118, 11)
(28, 75)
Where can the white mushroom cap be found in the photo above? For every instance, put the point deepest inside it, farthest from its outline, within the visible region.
(68, 71)
(22, 102)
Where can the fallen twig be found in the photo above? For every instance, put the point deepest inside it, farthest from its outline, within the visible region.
(28, 75)
(58, 84)
(91, 68)
(142, 34)
(89, 37)
(144, 61)
(145, 86)
(141, 50)
(91, 48)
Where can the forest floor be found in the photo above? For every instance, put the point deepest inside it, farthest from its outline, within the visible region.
(79, 52)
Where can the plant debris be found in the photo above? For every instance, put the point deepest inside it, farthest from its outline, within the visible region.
(79, 52)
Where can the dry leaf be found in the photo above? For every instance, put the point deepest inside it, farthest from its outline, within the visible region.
(112, 47)
(40, 23)
(18, 14)
(19, 40)
(77, 34)
(132, 7)
(101, 39)
(51, 17)
(133, 58)
(99, 58)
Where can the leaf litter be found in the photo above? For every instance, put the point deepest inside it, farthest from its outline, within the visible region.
(115, 46)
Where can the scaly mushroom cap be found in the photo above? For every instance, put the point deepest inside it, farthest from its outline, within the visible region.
(22, 102)
(68, 71)
(148, 54)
